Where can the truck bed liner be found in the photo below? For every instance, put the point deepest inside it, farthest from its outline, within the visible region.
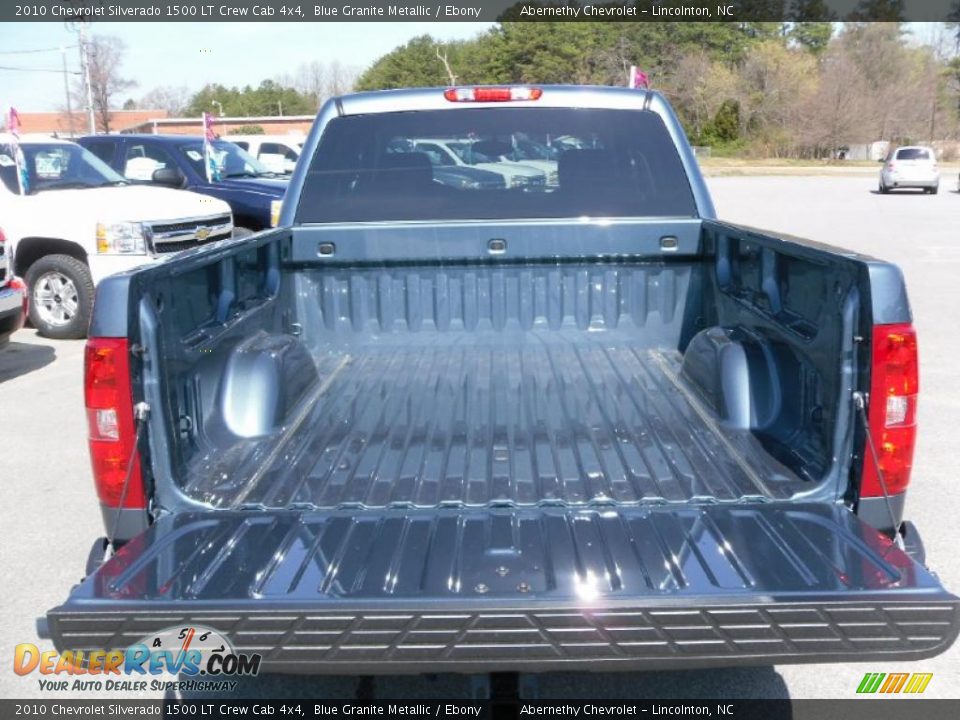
(480, 419)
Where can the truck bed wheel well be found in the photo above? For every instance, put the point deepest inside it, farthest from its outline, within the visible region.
(29, 250)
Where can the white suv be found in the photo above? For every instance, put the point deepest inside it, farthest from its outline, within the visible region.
(79, 221)
(913, 166)
(278, 153)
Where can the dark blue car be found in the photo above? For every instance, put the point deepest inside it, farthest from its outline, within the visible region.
(177, 161)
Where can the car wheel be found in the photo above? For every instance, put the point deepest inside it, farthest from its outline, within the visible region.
(239, 232)
(61, 296)
(934, 190)
(884, 189)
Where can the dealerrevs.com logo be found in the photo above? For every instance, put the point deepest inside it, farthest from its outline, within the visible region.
(199, 656)
(894, 683)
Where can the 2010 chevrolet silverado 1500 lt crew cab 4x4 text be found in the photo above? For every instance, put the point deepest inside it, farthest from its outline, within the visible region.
(422, 428)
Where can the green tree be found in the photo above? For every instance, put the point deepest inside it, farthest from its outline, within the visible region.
(878, 11)
(725, 126)
(814, 36)
(549, 52)
(417, 64)
(247, 130)
(811, 25)
(269, 99)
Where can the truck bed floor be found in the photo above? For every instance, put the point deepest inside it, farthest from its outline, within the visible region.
(483, 419)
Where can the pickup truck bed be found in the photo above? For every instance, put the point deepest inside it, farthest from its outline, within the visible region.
(518, 418)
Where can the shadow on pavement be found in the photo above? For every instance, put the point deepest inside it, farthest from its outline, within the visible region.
(713, 684)
(18, 359)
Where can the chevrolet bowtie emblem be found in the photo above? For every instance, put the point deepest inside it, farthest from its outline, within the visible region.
(203, 233)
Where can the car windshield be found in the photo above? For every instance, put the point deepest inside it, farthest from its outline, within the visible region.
(56, 166)
(391, 167)
(232, 160)
(527, 150)
(913, 154)
(466, 152)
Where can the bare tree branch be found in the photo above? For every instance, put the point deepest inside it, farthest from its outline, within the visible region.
(105, 53)
(446, 66)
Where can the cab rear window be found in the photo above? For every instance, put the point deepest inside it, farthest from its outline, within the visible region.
(913, 154)
(495, 163)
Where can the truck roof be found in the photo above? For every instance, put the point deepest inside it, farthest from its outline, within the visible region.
(7, 138)
(587, 96)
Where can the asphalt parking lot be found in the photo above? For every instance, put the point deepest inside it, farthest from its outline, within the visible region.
(50, 517)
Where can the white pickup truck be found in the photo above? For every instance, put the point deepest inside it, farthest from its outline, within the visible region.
(488, 155)
(279, 153)
(78, 221)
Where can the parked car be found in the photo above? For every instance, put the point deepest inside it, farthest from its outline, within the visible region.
(910, 167)
(278, 153)
(444, 152)
(444, 173)
(79, 221)
(536, 155)
(419, 428)
(13, 295)
(253, 192)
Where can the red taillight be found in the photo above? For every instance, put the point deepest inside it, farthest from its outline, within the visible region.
(110, 422)
(890, 166)
(894, 382)
(492, 94)
(18, 284)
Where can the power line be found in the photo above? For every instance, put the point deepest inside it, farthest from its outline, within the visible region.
(28, 69)
(41, 50)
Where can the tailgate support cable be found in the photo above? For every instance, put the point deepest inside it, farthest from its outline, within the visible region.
(860, 401)
(141, 411)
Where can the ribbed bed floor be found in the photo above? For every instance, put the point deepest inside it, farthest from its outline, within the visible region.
(481, 419)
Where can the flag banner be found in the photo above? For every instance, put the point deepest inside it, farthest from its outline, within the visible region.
(638, 78)
(23, 175)
(209, 157)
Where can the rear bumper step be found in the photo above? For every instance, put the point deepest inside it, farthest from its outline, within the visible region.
(520, 590)
(544, 639)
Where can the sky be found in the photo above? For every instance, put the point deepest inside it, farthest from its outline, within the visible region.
(194, 54)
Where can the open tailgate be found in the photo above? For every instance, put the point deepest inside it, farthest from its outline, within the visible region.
(405, 590)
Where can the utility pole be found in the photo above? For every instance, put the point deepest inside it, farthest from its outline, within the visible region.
(280, 105)
(85, 63)
(66, 89)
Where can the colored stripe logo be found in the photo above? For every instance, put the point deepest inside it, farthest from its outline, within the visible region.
(890, 683)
